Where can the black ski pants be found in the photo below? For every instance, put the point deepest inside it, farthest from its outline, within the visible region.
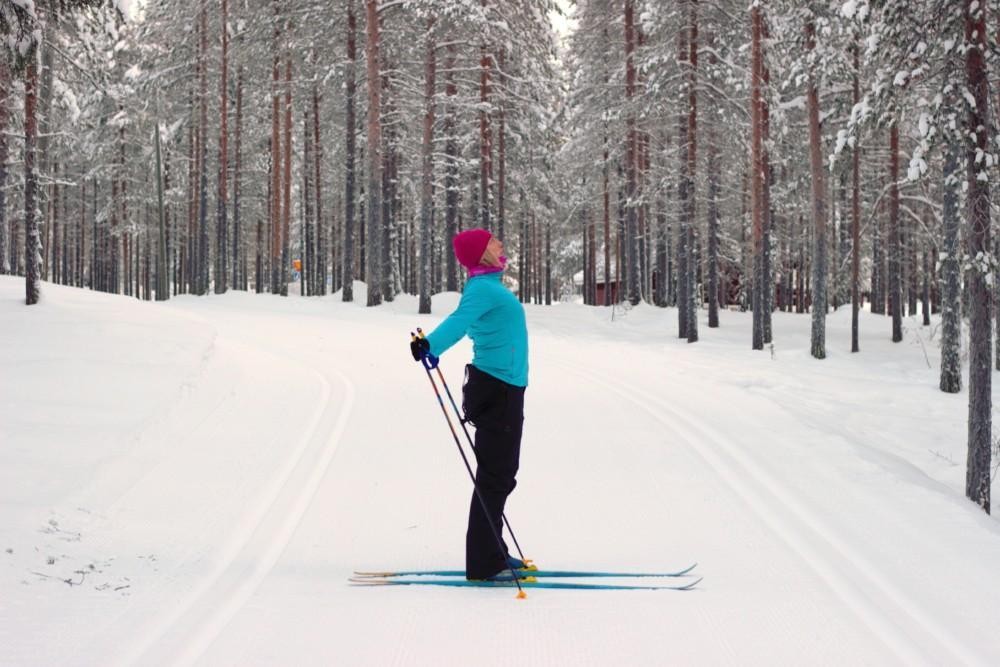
(496, 409)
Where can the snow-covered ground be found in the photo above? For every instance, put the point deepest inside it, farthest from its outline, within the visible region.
(195, 481)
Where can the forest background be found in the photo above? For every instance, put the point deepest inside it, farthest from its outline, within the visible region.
(698, 155)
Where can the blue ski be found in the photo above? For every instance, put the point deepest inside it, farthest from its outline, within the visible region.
(553, 574)
(465, 583)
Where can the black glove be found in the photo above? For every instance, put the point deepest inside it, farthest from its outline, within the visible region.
(419, 348)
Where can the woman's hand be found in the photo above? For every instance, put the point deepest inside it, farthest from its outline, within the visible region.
(421, 349)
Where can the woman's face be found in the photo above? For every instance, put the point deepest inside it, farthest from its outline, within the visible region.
(493, 253)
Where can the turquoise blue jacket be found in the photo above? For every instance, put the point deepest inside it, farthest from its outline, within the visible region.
(494, 319)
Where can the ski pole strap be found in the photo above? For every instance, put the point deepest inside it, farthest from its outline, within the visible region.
(428, 360)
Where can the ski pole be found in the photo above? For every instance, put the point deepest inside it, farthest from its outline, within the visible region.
(461, 421)
(482, 501)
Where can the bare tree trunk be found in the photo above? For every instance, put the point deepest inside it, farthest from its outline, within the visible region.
(607, 225)
(501, 156)
(258, 284)
(895, 249)
(81, 244)
(135, 256)
(203, 246)
(977, 481)
(140, 247)
(126, 234)
(222, 231)
(95, 243)
(112, 238)
(713, 229)
(660, 293)
(451, 170)
(427, 181)
(33, 241)
(44, 133)
(350, 156)
(925, 289)
(239, 252)
(308, 254)
(53, 205)
(6, 224)
(620, 238)
(522, 265)
(757, 175)
(912, 266)
(818, 342)
(286, 205)
(840, 234)
(336, 242)
(375, 270)
(162, 270)
(147, 261)
(690, 213)
(65, 254)
(548, 265)
(187, 247)
(587, 268)
(591, 258)
(632, 157)
(767, 275)
(878, 292)
(388, 197)
(319, 272)
(855, 220)
(275, 218)
(536, 247)
(951, 297)
(173, 231)
(485, 132)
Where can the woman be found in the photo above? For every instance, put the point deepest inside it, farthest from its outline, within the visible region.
(493, 393)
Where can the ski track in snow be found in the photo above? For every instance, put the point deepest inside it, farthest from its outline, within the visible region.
(246, 485)
(256, 545)
(902, 631)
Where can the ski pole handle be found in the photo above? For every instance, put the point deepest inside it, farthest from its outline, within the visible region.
(420, 349)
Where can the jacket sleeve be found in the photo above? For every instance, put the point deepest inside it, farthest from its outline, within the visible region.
(474, 304)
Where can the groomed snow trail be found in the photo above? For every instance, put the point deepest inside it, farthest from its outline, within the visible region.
(182, 635)
(227, 495)
(905, 628)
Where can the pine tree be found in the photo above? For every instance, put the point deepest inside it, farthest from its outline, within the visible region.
(757, 176)
(427, 188)
(855, 214)
(979, 127)
(349, 155)
(818, 343)
(631, 159)
(6, 235)
(32, 242)
(375, 270)
(222, 233)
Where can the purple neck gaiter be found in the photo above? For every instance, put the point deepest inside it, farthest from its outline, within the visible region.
(483, 269)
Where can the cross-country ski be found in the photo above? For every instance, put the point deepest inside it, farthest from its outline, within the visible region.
(528, 583)
(529, 572)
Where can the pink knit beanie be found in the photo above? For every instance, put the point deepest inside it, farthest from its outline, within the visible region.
(470, 246)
